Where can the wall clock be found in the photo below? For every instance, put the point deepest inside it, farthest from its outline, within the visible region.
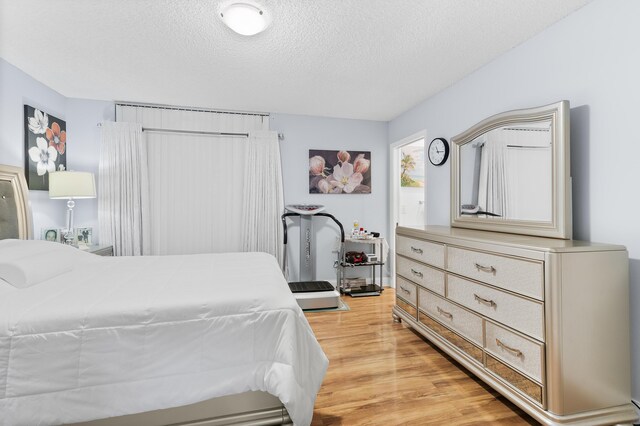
(438, 151)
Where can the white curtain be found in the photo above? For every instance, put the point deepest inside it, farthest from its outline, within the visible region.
(515, 174)
(530, 175)
(262, 196)
(493, 183)
(123, 204)
(195, 192)
(197, 180)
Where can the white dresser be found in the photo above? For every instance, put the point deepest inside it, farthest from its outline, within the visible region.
(543, 321)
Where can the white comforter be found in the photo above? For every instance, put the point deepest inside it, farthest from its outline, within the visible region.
(118, 336)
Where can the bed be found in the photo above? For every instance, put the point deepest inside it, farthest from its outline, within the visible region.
(84, 337)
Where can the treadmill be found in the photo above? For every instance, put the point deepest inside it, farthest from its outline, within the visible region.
(309, 292)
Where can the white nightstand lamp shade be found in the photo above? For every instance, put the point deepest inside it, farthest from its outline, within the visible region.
(70, 185)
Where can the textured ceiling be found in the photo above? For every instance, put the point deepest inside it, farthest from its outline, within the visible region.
(370, 59)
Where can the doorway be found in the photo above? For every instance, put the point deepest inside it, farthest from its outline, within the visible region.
(408, 187)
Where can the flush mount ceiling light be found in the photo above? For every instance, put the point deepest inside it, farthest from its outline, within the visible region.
(244, 18)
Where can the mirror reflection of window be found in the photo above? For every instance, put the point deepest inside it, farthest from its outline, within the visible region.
(507, 173)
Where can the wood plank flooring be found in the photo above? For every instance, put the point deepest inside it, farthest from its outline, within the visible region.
(383, 373)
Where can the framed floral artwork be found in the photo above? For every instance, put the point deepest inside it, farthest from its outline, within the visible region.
(45, 139)
(339, 172)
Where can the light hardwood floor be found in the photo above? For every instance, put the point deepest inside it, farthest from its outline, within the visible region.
(383, 373)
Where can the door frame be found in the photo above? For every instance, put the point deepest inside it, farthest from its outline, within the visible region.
(394, 183)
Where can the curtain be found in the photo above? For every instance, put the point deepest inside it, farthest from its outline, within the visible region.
(197, 180)
(262, 196)
(123, 204)
(195, 192)
(515, 174)
(529, 173)
(493, 183)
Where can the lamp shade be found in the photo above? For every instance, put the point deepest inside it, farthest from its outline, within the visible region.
(72, 185)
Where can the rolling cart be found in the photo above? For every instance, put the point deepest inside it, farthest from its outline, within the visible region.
(358, 287)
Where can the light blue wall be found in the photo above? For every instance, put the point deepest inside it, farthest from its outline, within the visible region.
(83, 116)
(18, 89)
(589, 58)
(302, 133)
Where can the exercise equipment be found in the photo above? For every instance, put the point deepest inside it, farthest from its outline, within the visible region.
(309, 292)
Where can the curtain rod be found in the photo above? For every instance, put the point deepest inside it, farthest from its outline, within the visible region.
(198, 132)
(527, 129)
(481, 145)
(195, 109)
(194, 132)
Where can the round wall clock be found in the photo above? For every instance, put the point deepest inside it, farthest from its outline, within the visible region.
(438, 151)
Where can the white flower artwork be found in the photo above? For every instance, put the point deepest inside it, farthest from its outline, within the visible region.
(44, 156)
(39, 123)
(336, 172)
(344, 178)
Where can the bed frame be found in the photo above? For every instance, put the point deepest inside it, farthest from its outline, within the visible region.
(247, 409)
(15, 211)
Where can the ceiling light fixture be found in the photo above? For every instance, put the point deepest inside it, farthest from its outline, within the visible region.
(244, 18)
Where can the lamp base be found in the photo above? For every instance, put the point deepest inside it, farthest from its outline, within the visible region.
(68, 233)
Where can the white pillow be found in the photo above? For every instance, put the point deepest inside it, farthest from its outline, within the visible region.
(15, 249)
(26, 263)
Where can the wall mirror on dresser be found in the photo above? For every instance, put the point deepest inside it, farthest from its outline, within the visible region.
(510, 173)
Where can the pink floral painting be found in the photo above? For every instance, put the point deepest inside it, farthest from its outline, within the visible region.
(339, 172)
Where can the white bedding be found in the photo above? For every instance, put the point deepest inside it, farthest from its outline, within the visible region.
(123, 335)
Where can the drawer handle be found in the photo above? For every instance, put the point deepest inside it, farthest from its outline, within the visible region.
(489, 269)
(445, 313)
(416, 250)
(418, 273)
(514, 351)
(405, 290)
(487, 302)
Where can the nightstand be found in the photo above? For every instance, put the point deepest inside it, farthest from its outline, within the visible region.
(100, 250)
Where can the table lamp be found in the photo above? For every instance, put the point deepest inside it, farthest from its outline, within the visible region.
(70, 185)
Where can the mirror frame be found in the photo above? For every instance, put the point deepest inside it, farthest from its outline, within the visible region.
(561, 223)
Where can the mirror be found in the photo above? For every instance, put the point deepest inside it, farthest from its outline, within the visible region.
(510, 173)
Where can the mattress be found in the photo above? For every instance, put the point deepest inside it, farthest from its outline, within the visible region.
(116, 336)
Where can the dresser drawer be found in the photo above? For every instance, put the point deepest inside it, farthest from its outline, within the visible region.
(519, 352)
(524, 384)
(522, 314)
(468, 324)
(518, 275)
(407, 291)
(426, 276)
(424, 251)
(461, 343)
(407, 307)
